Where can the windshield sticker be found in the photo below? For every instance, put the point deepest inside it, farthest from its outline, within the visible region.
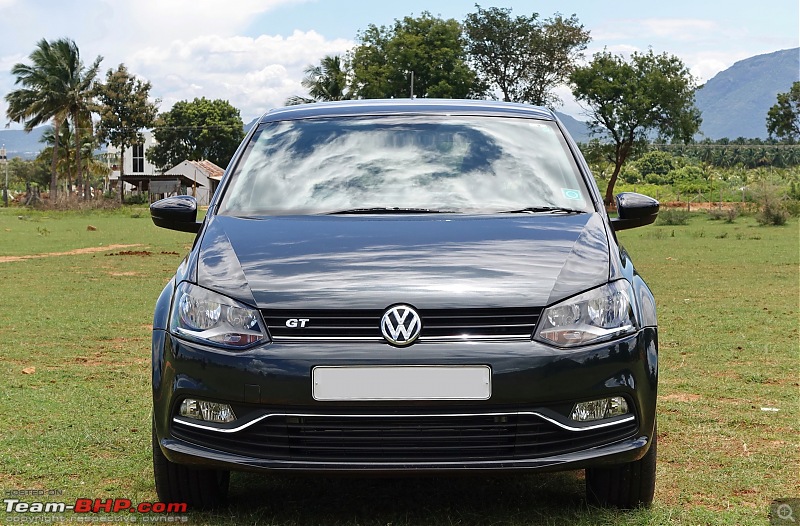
(569, 193)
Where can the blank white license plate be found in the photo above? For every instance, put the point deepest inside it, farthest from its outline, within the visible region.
(402, 382)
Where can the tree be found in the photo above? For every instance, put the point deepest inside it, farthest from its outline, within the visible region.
(428, 49)
(124, 110)
(628, 99)
(59, 141)
(656, 162)
(326, 81)
(783, 119)
(23, 173)
(78, 92)
(523, 57)
(91, 168)
(55, 86)
(199, 130)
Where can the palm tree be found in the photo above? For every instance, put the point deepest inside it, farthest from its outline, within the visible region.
(38, 101)
(61, 142)
(67, 158)
(326, 81)
(78, 93)
(55, 86)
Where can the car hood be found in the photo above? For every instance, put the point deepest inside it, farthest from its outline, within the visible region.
(366, 262)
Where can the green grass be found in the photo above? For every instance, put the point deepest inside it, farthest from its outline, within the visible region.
(728, 312)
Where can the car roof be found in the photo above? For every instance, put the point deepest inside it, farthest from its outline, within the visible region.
(406, 107)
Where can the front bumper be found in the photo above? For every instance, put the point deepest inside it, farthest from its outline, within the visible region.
(524, 425)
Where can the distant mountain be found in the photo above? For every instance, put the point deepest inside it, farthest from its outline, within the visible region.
(19, 143)
(250, 124)
(578, 129)
(735, 102)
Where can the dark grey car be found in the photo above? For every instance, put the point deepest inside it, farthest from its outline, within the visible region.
(405, 286)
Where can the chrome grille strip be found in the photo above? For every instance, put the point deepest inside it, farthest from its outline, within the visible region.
(438, 325)
(191, 423)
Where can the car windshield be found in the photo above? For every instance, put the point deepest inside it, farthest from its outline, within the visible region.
(414, 163)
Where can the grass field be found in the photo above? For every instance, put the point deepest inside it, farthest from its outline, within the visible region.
(75, 406)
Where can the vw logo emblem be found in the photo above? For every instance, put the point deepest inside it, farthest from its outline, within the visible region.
(401, 325)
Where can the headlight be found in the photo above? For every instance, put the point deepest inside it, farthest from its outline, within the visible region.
(202, 315)
(598, 315)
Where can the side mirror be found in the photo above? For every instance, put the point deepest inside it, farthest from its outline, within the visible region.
(634, 210)
(176, 213)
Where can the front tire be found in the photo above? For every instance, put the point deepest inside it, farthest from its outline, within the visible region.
(625, 486)
(198, 488)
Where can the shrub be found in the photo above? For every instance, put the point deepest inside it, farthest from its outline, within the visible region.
(690, 179)
(658, 179)
(673, 216)
(794, 191)
(630, 174)
(137, 199)
(728, 214)
(772, 214)
(656, 163)
(771, 207)
(793, 207)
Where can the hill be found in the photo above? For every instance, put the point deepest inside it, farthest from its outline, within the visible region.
(18, 143)
(577, 128)
(735, 102)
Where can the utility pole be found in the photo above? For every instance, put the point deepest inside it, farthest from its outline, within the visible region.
(4, 158)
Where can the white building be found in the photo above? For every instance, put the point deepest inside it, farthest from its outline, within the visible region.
(135, 161)
(196, 178)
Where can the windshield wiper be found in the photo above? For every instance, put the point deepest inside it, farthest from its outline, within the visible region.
(540, 209)
(390, 210)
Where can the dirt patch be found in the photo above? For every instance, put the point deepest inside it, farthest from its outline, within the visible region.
(131, 253)
(91, 362)
(681, 397)
(76, 252)
(141, 253)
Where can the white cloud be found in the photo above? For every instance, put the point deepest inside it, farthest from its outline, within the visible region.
(155, 22)
(615, 49)
(185, 48)
(254, 74)
(706, 64)
(705, 46)
(670, 29)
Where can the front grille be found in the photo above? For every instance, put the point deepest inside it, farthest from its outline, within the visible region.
(437, 324)
(392, 439)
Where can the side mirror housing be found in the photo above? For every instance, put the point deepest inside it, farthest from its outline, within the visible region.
(634, 210)
(176, 213)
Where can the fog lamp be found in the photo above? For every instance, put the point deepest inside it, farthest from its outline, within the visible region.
(208, 411)
(599, 409)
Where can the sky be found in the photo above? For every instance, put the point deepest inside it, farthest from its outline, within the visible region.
(253, 52)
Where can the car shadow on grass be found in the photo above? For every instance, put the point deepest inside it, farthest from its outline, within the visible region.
(550, 498)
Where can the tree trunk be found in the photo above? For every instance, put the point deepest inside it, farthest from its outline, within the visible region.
(79, 175)
(611, 182)
(620, 155)
(53, 174)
